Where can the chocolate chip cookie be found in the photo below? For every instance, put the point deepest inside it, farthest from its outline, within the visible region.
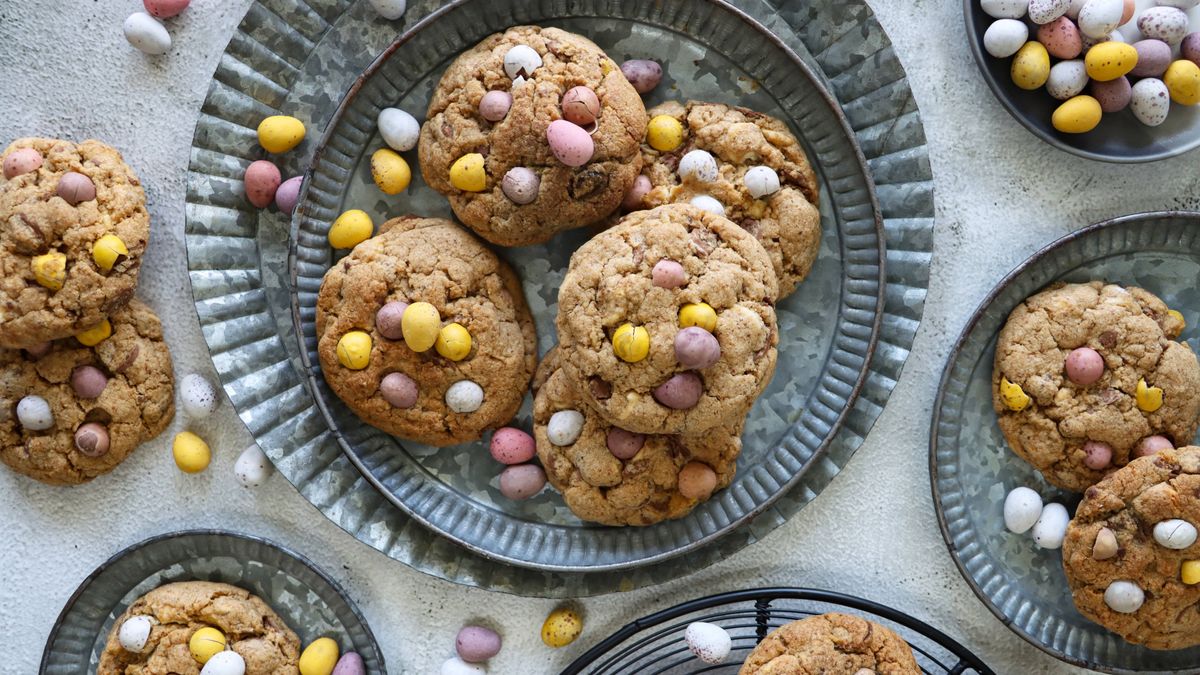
(831, 643)
(493, 157)
(176, 611)
(756, 170)
(1087, 376)
(1131, 556)
(666, 322)
(425, 334)
(616, 477)
(73, 228)
(75, 408)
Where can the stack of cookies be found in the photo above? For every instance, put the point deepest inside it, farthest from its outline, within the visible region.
(84, 374)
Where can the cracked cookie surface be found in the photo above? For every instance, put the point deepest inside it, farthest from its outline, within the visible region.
(787, 223)
(136, 404)
(609, 283)
(251, 628)
(1135, 334)
(831, 643)
(568, 197)
(640, 490)
(35, 221)
(428, 260)
(1129, 503)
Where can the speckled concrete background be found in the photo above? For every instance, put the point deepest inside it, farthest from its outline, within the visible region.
(67, 71)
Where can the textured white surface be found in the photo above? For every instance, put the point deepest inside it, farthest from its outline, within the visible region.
(1001, 194)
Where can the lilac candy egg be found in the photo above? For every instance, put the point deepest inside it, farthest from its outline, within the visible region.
(288, 194)
(696, 348)
(1153, 57)
(522, 481)
(521, 185)
(262, 179)
(1153, 444)
(668, 274)
(350, 664)
(22, 161)
(1097, 455)
(1084, 366)
(475, 644)
(88, 382)
(624, 445)
(681, 392)
(1114, 95)
(399, 390)
(643, 74)
(1188, 49)
(388, 320)
(636, 193)
(75, 188)
(512, 446)
(494, 105)
(570, 143)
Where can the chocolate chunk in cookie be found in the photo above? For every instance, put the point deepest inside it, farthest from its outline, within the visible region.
(831, 643)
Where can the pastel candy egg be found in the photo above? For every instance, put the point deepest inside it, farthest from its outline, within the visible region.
(388, 320)
(319, 658)
(644, 75)
(570, 143)
(1074, 8)
(33, 412)
(664, 133)
(1051, 526)
(1022, 508)
(421, 324)
(75, 188)
(399, 129)
(22, 161)
(262, 180)
(1189, 572)
(39, 350)
(1150, 101)
(708, 642)
(631, 343)
(1067, 79)
(1183, 82)
(1031, 66)
(191, 453)
(50, 270)
(476, 643)
(1114, 95)
(464, 396)
(469, 174)
(1098, 18)
(564, 427)
(225, 663)
(88, 381)
(561, 627)
(512, 446)
(707, 203)
(1078, 115)
(521, 61)
(109, 251)
(1061, 38)
(623, 445)
(253, 467)
(350, 664)
(206, 643)
(637, 192)
(1097, 456)
(354, 350)
(1175, 534)
(494, 105)
(668, 274)
(1045, 11)
(698, 314)
(1153, 57)
(165, 9)
(280, 133)
(1168, 24)
(1084, 366)
(580, 106)
(199, 397)
(146, 34)
(288, 194)
(453, 342)
(1110, 60)
(399, 390)
(522, 481)
(697, 481)
(389, 9)
(696, 348)
(1105, 546)
(1153, 444)
(389, 171)
(90, 337)
(134, 633)
(681, 392)
(761, 181)
(1189, 48)
(1124, 597)
(1004, 9)
(92, 440)
(698, 165)
(521, 185)
(456, 666)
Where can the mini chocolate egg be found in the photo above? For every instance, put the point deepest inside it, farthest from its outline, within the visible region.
(1099, 18)
(761, 181)
(1183, 81)
(1045, 11)
(34, 414)
(1150, 101)
(399, 390)
(389, 9)
(521, 61)
(1175, 534)
(146, 34)
(1051, 526)
(320, 657)
(398, 129)
(134, 633)
(623, 445)
(227, 662)
(668, 274)
(22, 161)
(698, 165)
(570, 143)
(707, 203)
(456, 666)
(88, 381)
(350, 664)
(1004, 9)
(1067, 79)
(1031, 66)
(92, 439)
(1061, 38)
(564, 427)
(581, 106)
(1124, 597)
(1110, 60)
(464, 396)
(165, 9)
(253, 467)
(1022, 508)
(262, 180)
(1114, 95)
(681, 392)
(637, 192)
(389, 320)
(1097, 455)
(561, 627)
(522, 481)
(1089, 42)
(1151, 445)
(1189, 48)
(280, 133)
(288, 194)
(696, 348)
(521, 184)
(1168, 24)
(1153, 57)
(1074, 7)
(198, 396)
(494, 105)
(75, 188)
(1181, 4)
(708, 642)
(476, 643)
(696, 480)
(644, 75)
(510, 445)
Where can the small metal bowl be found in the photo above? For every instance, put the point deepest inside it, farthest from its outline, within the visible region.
(310, 602)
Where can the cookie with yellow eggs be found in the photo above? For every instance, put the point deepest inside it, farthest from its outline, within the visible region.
(75, 229)
(424, 333)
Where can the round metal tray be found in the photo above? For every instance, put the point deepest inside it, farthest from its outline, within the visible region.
(299, 58)
(827, 328)
(654, 645)
(973, 469)
(311, 603)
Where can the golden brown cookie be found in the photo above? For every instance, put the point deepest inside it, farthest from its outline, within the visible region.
(431, 261)
(611, 311)
(1076, 431)
(117, 394)
(786, 221)
(567, 196)
(611, 476)
(1133, 541)
(52, 283)
(831, 644)
(251, 628)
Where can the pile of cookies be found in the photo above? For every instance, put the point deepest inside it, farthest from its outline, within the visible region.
(85, 376)
(666, 319)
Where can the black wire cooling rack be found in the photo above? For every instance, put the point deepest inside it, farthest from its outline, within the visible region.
(654, 645)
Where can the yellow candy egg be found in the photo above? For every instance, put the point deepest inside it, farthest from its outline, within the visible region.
(108, 251)
(96, 334)
(350, 229)
(631, 343)
(698, 314)
(1190, 572)
(280, 133)
(1077, 115)
(1148, 398)
(390, 171)
(453, 342)
(192, 455)
(1110, 60)
(467, 173)
(319, 658)
(50, 270)
(664, 133)
(1178, 316)
(421, 325)
(1031, 66)
(1013, 396)
(1183, 81)
(206, 643)
(561, 628)
(354, 350)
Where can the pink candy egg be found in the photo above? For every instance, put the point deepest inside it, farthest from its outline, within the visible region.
(570, 143)
(1061, 38)
(697, 480)
(262, 180)
(1084, 366)
(512, 446)
(165, 9)
(1097, 455)
(522, 481)
(637, 192)
(681, 392)
(22, 161)
(668, 274)
(1152, 444)
(623, 444)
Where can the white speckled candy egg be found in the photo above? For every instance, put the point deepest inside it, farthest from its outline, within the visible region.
(146, 34)
(521, 60)
(456, 666)
(1004, 9)
(564, 427)
(399, 129)
(1074, 7)
(464, 396)
(1150, 101)
(1175, 534)
(390, 9)
(761, 181)
(698, 165)
(134, 633)
(1022, 507)
(227, 662)
(1098, 18)
(253, 467)
(1045, 11)
(1067, 78)
(709, 642)
(708, 204)
(1168, 24)
(1051, 526)
(1004, 37)
(198, 396)
(1124, 597)
(33, 412)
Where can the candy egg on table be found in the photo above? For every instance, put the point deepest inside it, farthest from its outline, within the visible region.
(456, 666)
(1022, 508)
(1114, 95)
(1099, 18)
(1078, 115)
(476, 643)
(350, 664)
(146, 34)
(1061, 38)
(1150, 101)
(1153, 57)
(1168, 24)
(512, 446)
(225, 663)
(643, 74)
(561, 627)
(253, 467)
(280, 133)
(522, 481)
(198, 396)
(262, 180)
(1004, 9)
(288, 194)
(1110, 60)
(389, 9)
(192, 454)
(165, 9)
(1031, 66)
(1051, 526)
(399, 129)
(1067, 79)
(1183, 82)
(708, 642)
(1045, 11)
(319, 658)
